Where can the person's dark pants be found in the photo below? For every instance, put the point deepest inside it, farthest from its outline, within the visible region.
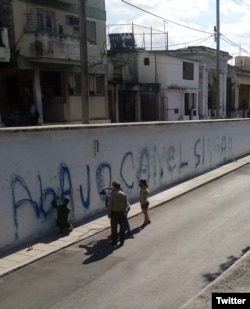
(117, 218)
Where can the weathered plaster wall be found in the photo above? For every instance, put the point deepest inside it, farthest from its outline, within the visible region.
(78, 161)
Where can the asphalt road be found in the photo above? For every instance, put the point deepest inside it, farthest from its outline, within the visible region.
(189, 243)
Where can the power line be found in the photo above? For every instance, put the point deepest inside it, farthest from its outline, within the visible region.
(197, 41)
(140, 26)
(242, 3)
(225, 39)
(166, 20)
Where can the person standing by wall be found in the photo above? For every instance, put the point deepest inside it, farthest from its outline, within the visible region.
(117, 212)
(144, 193)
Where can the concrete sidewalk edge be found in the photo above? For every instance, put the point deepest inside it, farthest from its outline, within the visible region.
(203, 300)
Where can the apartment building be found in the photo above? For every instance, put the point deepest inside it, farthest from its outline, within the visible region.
(44, 73)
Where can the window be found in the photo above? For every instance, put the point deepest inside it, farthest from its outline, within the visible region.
(91, 32)
(74, 22)
(1, 39)
(60, 29)
(117, 75)
(96, 84)
(146, 61)
(75, 86)
(188, 70)
(90, 25)
(45, 21)
(99, 85)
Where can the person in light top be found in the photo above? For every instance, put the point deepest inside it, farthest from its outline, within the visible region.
(144, 193)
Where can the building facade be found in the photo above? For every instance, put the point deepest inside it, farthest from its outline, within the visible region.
(238, 88)
(44, 73)
(151, 85)
(207, 78)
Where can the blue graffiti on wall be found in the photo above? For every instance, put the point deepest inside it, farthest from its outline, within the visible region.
(170, 158)
(125, 166)
(157, 163)
(103, 176)
(86, 201)
(17, 181)
(205, 147)
(151, 164)
(66, 187)
(143, 170)
(46, 195)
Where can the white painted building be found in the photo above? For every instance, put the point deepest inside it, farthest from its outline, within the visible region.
(207, 78)
(162, 87)
(179, 83)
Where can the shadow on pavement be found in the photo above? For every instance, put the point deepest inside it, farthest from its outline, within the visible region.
(136, 230)
(209, 277)
(97, 250)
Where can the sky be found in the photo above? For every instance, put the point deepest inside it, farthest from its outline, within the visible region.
(177, 24)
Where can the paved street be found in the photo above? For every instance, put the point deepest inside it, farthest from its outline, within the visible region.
(190, 242)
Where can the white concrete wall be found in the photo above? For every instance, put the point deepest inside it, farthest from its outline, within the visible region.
(78, 161)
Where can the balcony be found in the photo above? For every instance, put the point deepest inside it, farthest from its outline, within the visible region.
(51, 47)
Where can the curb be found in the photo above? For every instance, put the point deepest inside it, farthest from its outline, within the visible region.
(197, 301)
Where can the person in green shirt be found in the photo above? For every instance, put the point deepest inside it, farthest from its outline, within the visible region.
(117, 208)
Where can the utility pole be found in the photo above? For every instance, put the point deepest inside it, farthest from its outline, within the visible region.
(217, 59)
(84, 61)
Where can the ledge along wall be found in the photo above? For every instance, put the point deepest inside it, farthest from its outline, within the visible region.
(78, 161)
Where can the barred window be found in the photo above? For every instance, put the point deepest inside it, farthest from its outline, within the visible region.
(74, 22)
(45, 21)
(90, 27)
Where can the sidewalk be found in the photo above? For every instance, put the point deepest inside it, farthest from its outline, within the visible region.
(235, 279)
(12, 260)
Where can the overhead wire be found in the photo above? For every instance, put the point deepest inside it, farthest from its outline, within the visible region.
(225, 39)
(242, 3)
(165, 19)
(197, 41)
